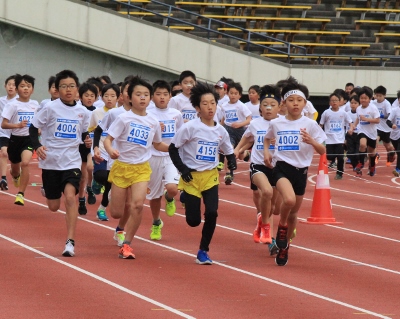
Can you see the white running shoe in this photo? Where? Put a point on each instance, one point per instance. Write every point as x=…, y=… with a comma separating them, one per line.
x=69, y=250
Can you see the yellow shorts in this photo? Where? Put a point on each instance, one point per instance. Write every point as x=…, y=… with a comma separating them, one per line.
x=200, y=183
x=124, y=175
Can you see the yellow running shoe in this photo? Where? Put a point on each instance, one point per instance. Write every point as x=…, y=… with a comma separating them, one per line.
x=156, y=231
x=16, y=180
x=19, y=200
x=119, y=237
x=170, y=207
x=220, y=166
x=293, y=235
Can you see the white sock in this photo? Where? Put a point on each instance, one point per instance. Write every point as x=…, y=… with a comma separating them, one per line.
x=101, y=207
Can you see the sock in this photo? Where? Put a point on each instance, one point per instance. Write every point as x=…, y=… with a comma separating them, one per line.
x=4, y=177
x=82, y=201
x=101, y=207
x=70, y=241
x=167, y=198
x=22, y=193
x=372, y=161
x=362, y=157
x=126, y=243
x=118, y=229
x=157, y=222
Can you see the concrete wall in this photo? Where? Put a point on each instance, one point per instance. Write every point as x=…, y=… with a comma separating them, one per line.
x=163, y=52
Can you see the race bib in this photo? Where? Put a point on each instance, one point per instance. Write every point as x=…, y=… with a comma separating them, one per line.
x=138, y=134
x=206, y=151
x=28, y=116
x=169, y=129
x=260, y=140
x=231, y=116
x=398, y=122
x=335, y=126
x=66, y=128
x=189, y=114
x=365, y=122
x=288, y=140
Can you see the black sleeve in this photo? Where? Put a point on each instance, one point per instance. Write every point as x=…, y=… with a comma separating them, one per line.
x=231, y=159
x=389, y=123
x=34, y=135
x=97, y=136
x=84, y=134
x=176, y=159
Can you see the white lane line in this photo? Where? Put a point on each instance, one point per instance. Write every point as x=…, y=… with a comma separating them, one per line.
x=240, y=270
x=103, y=280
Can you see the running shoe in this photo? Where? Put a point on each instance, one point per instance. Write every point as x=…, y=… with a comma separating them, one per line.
x=265, y=237
x=281, y=258
x=156, y=231
x=119, y=236
x=3, y=185
x=101, y=215
x=16, y=180
x=69, y=250
x=338, y=177
x=391, y=157
x=91, y=198
x=246, y=156
x=126, y=252
x=19, y=200
x=220, y=166
x=170, y=207
x=228, y=179
x=396, y=172
x=203, y=258
x=281, y=237
x=377, y=158
x=82, y=210
x=96, y=187
x=358, y=169
x=372, y=171
x=257, y=231
x=332, y=165
x=273, y=248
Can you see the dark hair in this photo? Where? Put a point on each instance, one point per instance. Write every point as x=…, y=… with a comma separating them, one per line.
x=291, y=84
x=255, y=88
x=186, y=74
x=129, y=77
x=334, y=94
x=349, y=84
x=398, y=94
x=355, y=91
x=355, y=98
x=11, y=77
x=64, y=75
x=111, y=86
x=124, y=84
x=173, y=83
x=281, y=83
x=51, y=81
x=342, y=93
x=270, y=91
x=237, y=86
x=87, y=87
x=199, y=90
x=105, y=78
x=367, y=91
x=135, y=81
x=97, y=82
x=380, y=90
x=161, y=84
x=227, y=81
x=27, y=78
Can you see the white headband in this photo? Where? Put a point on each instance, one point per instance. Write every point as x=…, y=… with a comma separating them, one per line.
x=294, y=92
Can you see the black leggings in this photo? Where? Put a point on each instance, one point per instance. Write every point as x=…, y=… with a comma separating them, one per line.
x=193, y=214
x=101, y=177
x=338, y=151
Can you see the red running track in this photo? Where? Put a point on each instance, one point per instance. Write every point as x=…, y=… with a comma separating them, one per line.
x=340, y=271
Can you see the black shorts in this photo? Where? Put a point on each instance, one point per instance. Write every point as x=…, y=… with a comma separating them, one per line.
x=384, y=136
x=370, y=141
x=235, y=134
x=84, y=151
x=54, y=181
x=256, y=169
x=17, y=145
x=4, y=141
x=296, y=176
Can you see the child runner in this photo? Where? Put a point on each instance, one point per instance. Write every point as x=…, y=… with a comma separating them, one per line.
x=194, y=152
x=5, y=134
x=352, y=143
x=52, y=91
x=333, y=121
x=367, y=119
x=64, y=125
x=261, y=175
x=297, y=137
x=17, y=116
x=394, y=122
x=134, y=133
x=254, y=101
x=164, y=174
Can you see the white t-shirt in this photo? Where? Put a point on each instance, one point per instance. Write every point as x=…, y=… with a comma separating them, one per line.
x=254, y=109
x=365, y=127
x=353, y=117
x=334, y=125
x=151, y=105
x=62, y=127
x=237, y=112
x=394, y=117
x=172, y=120
x=98, y=103
x=183, y=105
x=257, y=130
x=395, y=104
x=17, y=111
x=309, y=110
x=3, y=102
x=384, y=109
x=95, y=119
x=199, y=143
x=134, y=135
x=289, y=146
x=224, y=100
x=218, y=115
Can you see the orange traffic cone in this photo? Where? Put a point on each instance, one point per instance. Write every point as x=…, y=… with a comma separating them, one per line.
x=321, y=211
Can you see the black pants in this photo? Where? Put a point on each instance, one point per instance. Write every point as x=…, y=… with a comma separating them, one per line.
x=338, y=151
x=101, y=177
x=353, y=147
x=396, y=145
x=193, y=214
